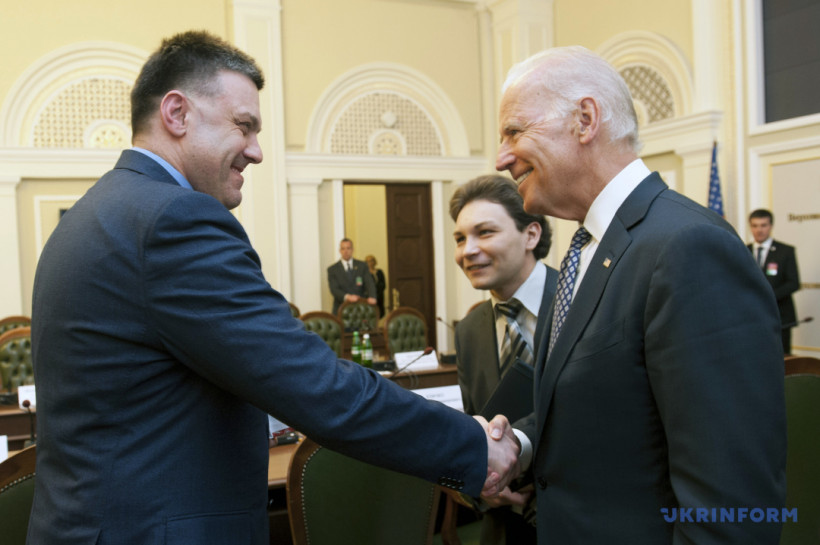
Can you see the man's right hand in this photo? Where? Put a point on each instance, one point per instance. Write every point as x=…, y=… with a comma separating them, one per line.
x=502, y=455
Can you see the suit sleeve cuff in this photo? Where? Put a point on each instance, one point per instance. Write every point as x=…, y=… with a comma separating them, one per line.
x=525, y=456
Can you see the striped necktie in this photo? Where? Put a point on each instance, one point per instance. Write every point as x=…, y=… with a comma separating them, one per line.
x=566, y=282
x=514, y=345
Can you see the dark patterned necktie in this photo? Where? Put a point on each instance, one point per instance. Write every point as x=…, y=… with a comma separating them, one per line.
x=514, y=345
x=760, y=261
x=566, y=282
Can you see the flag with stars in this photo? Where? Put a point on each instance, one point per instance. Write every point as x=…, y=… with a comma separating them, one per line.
x=715, y=199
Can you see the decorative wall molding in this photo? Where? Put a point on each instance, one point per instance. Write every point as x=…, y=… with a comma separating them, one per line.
x=657, y=54
x=393, y=80
x=45, y=80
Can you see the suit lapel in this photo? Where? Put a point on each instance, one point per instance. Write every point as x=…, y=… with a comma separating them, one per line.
x=490, y=343
x=615, y=242
x=544, y=321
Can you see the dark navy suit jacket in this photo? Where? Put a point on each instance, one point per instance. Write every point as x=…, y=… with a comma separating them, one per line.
x=664, y=388
x=159, y=348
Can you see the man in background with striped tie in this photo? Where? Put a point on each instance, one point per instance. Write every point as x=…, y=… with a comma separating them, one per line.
x=499, y=247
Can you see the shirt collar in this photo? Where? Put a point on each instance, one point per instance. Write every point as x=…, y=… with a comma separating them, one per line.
x=610, y=199
x=766, y=244
x=180, y=179
x=531, y=291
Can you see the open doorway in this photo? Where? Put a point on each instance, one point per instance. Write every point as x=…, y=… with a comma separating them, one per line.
x=393, y=222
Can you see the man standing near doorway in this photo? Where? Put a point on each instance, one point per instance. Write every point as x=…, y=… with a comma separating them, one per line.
x=499, y=247
x=349, y=279
x=779, y=264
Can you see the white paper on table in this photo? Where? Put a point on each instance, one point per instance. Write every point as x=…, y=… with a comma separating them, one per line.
x=449, y=395
x=24, y=393
x=275, y=426
x=4, y=447
x=423, y=363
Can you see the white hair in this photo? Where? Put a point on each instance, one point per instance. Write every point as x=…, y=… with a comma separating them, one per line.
x=572, y=73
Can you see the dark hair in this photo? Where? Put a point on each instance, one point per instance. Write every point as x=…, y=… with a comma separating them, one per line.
x=503, y=191
x=190, y=60
x=761, y=213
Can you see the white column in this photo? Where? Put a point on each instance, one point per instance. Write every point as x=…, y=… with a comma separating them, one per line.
x=709, y=64
x=264, y=212
x=697, y=162
x=521, y=28
x=307, y=270
x=11, y=299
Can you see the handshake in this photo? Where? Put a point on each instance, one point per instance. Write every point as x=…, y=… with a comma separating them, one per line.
x=503, y=449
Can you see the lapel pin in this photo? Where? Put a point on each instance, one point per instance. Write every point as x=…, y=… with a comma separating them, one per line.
x=607, y=262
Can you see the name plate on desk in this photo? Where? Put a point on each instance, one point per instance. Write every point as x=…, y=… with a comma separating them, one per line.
x=416, y=361
x=4, y=447
x=449, y=395
x=26, y=393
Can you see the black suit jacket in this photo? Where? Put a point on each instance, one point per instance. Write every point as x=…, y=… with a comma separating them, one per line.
x=359, y=282
x=660, y=391
x=477, y=348
x=159, y=348
x=478, y=376
x=781, y=272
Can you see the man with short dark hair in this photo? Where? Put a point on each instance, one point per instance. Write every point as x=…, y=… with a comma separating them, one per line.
x=499, y=247
x=779, y=263
x=349, y=279
x=159, y=347
x=659, y=386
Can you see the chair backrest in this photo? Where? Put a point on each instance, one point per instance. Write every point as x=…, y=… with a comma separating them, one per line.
x=294, y=310
x=405, y=330
x=327, y=326
x=15, y=359
x=16, y=495
x=13, y=322
x=336, y=500
x=359, y=316
x=802, y=388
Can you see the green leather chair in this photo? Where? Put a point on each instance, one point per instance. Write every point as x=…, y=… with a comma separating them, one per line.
x=405, y=330
x=13, y=322
x=336, y=500
x=16, y=496
x=327, y=326
x=15, y=359
x=803, y=455
x=294, y=310
x=359, y=316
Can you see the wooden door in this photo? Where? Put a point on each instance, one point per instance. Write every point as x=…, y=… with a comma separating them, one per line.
x=410, y=250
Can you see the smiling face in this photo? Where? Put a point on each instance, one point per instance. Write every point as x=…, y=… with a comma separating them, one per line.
x=541, y=152
x=221, y=138
x=491, y=251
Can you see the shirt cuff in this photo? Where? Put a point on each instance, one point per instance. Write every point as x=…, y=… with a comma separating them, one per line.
x=525, y=456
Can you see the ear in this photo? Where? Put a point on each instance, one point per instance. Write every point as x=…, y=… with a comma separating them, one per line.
x=174, y=110
x=589, y=120
x=533, y=232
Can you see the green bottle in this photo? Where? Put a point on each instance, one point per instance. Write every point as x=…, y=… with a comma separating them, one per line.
x=356, y=348
x=367, y=351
